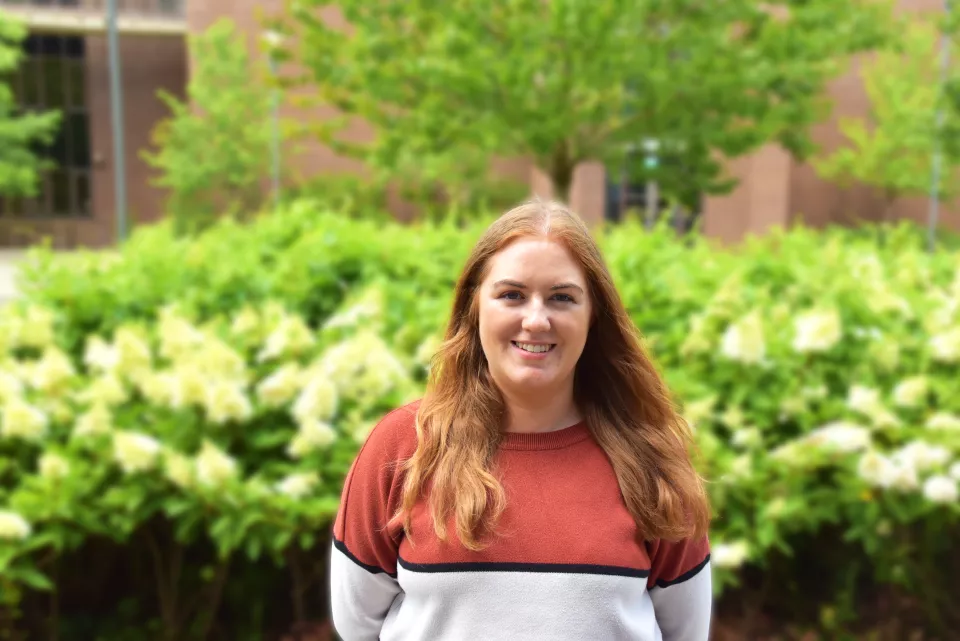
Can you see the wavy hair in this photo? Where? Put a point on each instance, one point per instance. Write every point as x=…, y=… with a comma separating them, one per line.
x=623, y=400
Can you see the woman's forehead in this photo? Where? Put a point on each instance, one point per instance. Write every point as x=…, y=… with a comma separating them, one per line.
x=535, y=258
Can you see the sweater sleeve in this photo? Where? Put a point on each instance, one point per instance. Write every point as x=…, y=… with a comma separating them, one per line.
x=681, y=588
x=363, y=562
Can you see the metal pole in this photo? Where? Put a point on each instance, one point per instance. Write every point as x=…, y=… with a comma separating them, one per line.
x=116, y=119
x=934, y=213
x=275, y=142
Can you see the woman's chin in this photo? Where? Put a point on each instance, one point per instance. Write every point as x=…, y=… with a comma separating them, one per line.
x=531, y=379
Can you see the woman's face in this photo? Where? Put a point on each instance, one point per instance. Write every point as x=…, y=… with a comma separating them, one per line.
x=534, y=312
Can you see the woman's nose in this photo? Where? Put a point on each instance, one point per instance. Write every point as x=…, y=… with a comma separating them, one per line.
x=535, y=319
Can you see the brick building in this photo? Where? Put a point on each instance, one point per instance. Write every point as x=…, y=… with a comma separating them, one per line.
x=67, y=68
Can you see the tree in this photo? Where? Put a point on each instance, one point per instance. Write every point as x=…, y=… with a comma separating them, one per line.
x=22, y=135
x=892, y=148
x=571, y=80
x=214, y=151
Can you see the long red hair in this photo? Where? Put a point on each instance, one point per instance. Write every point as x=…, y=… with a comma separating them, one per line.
x=619, y=393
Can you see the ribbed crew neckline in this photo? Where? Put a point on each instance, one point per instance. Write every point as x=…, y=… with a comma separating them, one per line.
x=545, y=440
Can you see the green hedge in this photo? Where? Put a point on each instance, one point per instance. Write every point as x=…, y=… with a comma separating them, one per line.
x=202, y=399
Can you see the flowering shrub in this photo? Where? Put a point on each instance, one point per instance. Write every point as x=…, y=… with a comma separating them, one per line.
x=223, y=385
x=236, y=430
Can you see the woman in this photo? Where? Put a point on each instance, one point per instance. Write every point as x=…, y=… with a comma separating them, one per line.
x=542, y=488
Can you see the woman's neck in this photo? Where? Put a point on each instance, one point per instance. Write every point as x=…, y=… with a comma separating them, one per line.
x=538, y=414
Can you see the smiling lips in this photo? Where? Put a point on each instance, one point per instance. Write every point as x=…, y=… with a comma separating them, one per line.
x=533, y=350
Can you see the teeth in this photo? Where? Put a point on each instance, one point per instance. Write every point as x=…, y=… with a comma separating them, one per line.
x=536, y=349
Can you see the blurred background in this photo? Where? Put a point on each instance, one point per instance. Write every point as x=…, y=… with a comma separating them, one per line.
x=230, y=232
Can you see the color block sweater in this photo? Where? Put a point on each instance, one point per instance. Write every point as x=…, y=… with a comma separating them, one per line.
x=566, y=565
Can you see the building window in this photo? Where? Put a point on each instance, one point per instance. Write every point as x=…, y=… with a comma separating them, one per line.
x=52, y=76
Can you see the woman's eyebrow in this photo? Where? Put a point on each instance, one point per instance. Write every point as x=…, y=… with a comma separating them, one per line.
x=517, y=284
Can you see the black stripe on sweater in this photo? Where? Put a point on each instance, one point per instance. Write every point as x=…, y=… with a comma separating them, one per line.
x=555, y=568
x=372, y=569
x=686, y=576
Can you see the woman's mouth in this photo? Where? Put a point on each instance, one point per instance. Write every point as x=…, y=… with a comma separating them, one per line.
x=533, y=348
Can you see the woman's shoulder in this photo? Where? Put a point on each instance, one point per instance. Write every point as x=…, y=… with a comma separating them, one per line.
x=394, y=437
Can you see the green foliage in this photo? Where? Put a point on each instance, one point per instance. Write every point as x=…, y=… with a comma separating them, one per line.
x=213, y=152
x=574, y=80
x=243, y=367
x=892, y=148
x=20, y=133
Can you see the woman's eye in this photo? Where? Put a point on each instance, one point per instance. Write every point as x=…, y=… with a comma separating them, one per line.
x=510, y=295
x=564, y=298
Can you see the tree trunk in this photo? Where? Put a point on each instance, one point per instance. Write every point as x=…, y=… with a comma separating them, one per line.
x=561, y=172
x=888, y=202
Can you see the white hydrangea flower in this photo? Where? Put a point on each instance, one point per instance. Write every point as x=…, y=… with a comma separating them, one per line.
x=312, y=435
x=792, y=406
x=179, y=469
x=367, y=307
x=729, y=555
x=37, y=327
x=955, y=471
x=178, y=337
x=281, y=386
x=746, y=437
x=291, y=337
x=943, y=314
x=885, y=418
x=790, y=452
x=911, y=392
x=227, y=402
x=741, y=467
x=317, y=401
x=941, y=489
x=161, y=388
x=53, y=466
x=840, y=436
x=107, y=390
x=696, y=411
x=885, y=354
x=815, y=392
x=866, y=268
x=245, y=322
x=95, y=421
x=877, y=469
x=298, y=485
x=56, y=408
x=427, y=349
x=100, y=356
x=923, y=456
x=943, y=421
x=188, y=387
x=697, y=340
x=133, y=353
x=22, y=420
x=905, y=477
x=863, y=399
x=882, y=301
x=866, y=401
x=135, y=452
x=13, y=527
x=945, y=347
x=218, y=360
x=743, y=340
x=10, y=385
x=362, y=367
x=817, y=331
x=214, y=466
x=51, y=371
